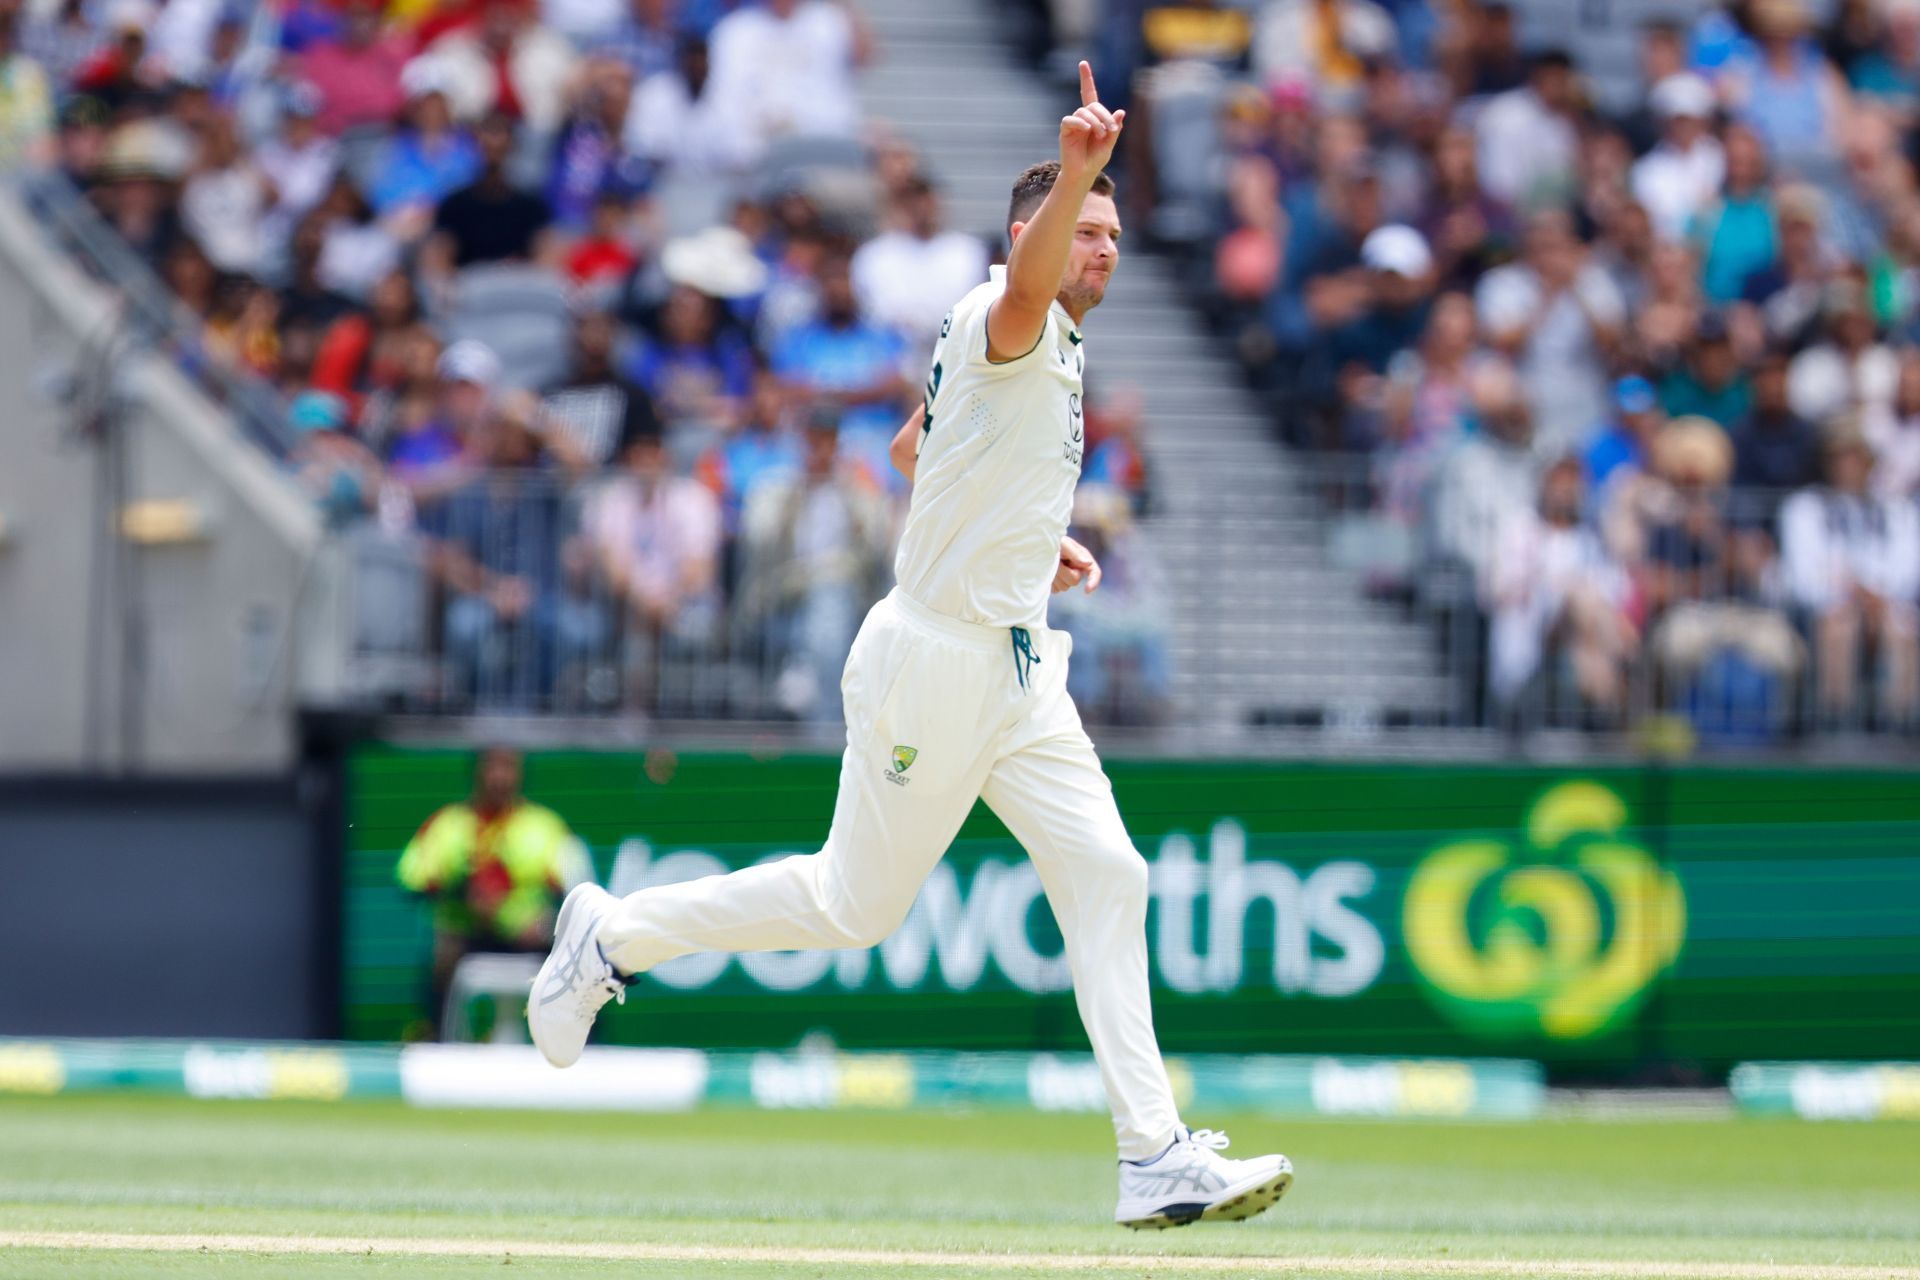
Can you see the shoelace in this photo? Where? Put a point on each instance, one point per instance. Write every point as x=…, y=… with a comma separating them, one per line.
x=1209, y=1138
x=595, y=994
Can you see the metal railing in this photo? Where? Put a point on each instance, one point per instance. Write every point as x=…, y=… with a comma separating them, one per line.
x=1665, y=616
x=1654, y=614
x=151, y=316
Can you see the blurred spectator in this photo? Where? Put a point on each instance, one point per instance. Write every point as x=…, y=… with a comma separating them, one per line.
x=1493, y=63
x=1668, y=308
x=1790, y=290
x=1894, y=274
x=423, y=452
x=1553, y=580
x=1529, y=137
x=587, y=156
x=1663, y=54
x=1774, y=448
x=488, y=220
x=243, y=329
x=367, y=351
x=605, y=254
x=429, y=158
x=81, y=141
x=1558, y=316
x=224, y=204
x=1115, y=457
x=356, y=70
x=815, y=547
x=1734, y=234
x=1469, y=230
x=118, y=72
x=695, y=370
x=764, y=447
x=1399, y=288
x=1627, y=439
x=845, y=362
x=337, y=471
x=495, y=55
x=1249, y=258
x=356, y=250
x=678, y=120
x=1877, y=179
x=655, y=539
x=495, y=866
x=595, y=407
x=1120, y=671
x=61, y=38
x=1703, y=580
x=1782, y=86
x=645, y=36
x=908, y=278
x=1490, y=478
x=517, y=620
x=26, y=99
x=1681, y=176
x=1885, y=68
x=306, y=302
x=1853, y=564
x=1323, y=44
x=1893, y=432
x=785, y=68
x=1710, y=383
x=1848, y=369
x=299, y=164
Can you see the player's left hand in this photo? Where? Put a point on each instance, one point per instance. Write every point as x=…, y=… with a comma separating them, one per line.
x=1076, y=564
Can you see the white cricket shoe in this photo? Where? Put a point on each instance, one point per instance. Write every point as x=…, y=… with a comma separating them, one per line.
x=575, y=980
x=1191, y=1181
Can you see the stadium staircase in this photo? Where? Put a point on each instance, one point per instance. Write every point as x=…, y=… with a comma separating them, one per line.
x=1264, y=628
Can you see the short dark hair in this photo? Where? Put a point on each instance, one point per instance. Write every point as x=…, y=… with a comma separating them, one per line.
x=1031, y=187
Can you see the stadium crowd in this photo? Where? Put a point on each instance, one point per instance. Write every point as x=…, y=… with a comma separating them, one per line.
x=1640, y=372
x=612, y=306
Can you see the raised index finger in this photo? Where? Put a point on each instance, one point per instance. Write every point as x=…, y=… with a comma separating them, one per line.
x=1088, y=95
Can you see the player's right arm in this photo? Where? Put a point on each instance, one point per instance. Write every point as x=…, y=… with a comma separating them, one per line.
x=1038, y=259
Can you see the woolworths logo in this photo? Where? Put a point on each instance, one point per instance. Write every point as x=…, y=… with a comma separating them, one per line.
x=995, y=918
x=1561, y=937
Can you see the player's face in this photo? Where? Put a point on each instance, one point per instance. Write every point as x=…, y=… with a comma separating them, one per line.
x=1095, y=254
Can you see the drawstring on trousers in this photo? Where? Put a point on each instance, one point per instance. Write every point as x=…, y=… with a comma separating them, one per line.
x=1024, y=658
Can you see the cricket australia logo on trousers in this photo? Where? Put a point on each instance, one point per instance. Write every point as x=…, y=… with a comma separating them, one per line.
x=903, y=758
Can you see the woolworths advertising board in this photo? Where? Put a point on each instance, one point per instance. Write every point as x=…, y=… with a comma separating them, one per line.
x=1600, y=917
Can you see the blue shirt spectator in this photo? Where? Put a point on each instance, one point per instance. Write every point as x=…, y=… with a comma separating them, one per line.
x=1624, y=440
x=427, y=162
x=850, y=363
x=694, y=369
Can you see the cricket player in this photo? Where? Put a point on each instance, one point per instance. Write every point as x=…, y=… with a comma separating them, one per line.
x=955, y=690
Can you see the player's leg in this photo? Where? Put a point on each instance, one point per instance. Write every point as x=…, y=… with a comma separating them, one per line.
x=1056, y=801
x=1049, y=789
x=852, y=893
x=903, y=688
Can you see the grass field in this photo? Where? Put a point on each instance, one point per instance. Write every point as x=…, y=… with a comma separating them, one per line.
x=286, y=1189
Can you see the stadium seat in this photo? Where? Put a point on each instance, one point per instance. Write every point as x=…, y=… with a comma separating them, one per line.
x=523, y=312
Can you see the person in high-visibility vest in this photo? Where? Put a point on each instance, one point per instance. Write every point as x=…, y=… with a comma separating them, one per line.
x=494, y=866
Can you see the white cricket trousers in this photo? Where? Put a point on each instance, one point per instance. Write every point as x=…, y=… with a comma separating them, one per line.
x=980, y=723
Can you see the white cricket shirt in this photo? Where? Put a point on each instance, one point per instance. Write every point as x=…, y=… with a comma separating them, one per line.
x=999, y=456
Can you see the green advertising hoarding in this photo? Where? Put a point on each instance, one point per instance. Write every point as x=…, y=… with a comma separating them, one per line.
x=1595, y=917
